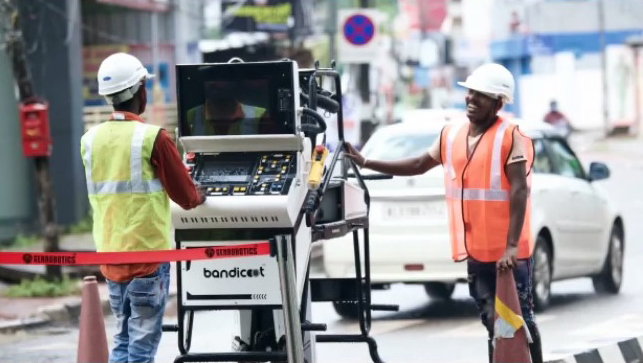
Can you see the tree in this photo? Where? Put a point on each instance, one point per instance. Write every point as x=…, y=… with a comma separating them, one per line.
x=15, y=47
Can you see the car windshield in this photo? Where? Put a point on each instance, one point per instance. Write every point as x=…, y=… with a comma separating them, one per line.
x=386, y=147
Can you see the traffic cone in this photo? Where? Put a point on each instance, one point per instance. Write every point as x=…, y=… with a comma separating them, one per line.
x=92, y=339
x=511, y=336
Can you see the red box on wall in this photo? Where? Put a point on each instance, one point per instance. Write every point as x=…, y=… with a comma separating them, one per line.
x=34, y=125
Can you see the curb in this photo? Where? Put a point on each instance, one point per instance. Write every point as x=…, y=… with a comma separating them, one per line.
x=55, y=314
x=624, y=351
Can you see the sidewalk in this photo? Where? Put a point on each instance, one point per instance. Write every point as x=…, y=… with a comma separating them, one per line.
x=24, y=313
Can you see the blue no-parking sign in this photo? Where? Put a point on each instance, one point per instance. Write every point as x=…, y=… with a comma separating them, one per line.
x=359, y=29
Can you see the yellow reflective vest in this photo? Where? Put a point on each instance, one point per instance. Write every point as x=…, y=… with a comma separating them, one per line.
x=131, y=209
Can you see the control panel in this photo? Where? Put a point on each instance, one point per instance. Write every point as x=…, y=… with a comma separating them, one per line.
x=244, y=173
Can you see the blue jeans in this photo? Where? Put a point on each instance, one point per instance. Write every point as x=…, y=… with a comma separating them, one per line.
x=138, y=306
x=482, y=288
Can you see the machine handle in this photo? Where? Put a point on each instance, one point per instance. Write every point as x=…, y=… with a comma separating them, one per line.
x=319, y=127
x=324, y=102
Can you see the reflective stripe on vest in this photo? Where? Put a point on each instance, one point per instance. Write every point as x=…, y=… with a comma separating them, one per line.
x=495, y=192
x=478, y=194
x=136, y=184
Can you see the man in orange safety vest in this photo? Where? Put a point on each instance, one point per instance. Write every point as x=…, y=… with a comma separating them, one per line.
x=487, y=163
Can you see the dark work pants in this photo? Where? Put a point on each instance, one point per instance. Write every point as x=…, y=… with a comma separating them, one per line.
x=482, y=288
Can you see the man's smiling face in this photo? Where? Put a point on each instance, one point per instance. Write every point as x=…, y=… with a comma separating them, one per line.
x=480, y=107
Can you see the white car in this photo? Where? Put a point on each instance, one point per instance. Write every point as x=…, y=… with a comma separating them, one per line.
x=577, y=229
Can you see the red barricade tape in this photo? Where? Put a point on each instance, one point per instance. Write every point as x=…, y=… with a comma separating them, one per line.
x=115, y=258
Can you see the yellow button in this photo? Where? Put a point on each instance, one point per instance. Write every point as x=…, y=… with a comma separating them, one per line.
x=217, y=189
x=225, y=190
x=261, y=168
x=236, y=189
x=256, y=177
x=243, y=189
x=209, y=189
x=284, y=168
x=287, y=157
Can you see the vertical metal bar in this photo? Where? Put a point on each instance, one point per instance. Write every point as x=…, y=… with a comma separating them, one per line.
x=287, y=277
x=340, y=113
x=358, y=280
x=367, y=278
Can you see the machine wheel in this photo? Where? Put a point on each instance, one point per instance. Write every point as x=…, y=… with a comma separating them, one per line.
x=609, y=280
x=439, y=290
x=346, y=310
x=542, y=274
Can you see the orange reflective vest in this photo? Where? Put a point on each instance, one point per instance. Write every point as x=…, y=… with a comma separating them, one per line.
x=477, y=192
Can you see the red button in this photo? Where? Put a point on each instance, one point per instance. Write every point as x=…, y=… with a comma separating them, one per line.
x=190, y=157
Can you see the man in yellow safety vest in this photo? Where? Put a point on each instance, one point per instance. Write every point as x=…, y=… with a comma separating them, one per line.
x=132, y=169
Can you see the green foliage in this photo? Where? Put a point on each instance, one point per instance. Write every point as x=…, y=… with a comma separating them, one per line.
x=40, y=287
x=24, y=241
x=83, y=226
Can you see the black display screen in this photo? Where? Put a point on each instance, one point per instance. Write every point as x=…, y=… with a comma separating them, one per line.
x=235, y=99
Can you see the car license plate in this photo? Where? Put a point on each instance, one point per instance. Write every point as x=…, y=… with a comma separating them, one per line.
x=415, y=210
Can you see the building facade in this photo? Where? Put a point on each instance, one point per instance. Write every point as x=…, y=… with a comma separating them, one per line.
x=554, y=49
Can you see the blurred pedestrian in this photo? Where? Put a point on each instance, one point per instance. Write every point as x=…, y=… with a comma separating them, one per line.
x=487, y=164
x=557, y=119
x=131, y=169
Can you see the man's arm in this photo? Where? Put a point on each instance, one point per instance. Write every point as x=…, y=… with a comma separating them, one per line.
x=518, y=194
x=405, y=167
x=517, y=201
x=173, y=175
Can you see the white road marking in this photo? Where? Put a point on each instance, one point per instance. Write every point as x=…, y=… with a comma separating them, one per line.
x=628, y=325
x=611, y=354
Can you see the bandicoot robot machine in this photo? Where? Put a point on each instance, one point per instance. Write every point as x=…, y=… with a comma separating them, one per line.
x=266, y=184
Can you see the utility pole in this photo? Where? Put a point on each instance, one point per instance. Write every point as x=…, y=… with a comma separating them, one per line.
x=365, y=90
x=601, y=30
x=16, y=51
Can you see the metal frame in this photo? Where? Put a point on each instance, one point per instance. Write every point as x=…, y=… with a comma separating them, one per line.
x=282, y=249
x=361, y=283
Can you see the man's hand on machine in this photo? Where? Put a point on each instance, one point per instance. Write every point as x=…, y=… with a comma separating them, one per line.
x=200, y=191
x=353, y=154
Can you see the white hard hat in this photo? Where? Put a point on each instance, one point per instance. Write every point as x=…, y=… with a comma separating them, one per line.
x=493, y=80
x=119, y=77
